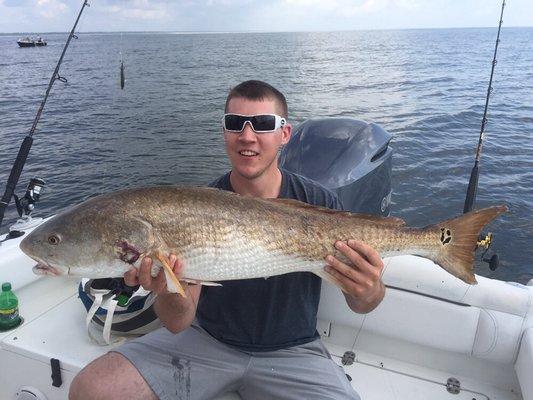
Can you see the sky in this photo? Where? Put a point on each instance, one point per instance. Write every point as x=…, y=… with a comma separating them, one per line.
x=258, y=15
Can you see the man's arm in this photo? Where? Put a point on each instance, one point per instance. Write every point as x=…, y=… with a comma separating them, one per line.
x=175, y=312
x=361, y=281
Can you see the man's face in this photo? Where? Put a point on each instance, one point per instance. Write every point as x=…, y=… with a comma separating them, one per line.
x=254, y=154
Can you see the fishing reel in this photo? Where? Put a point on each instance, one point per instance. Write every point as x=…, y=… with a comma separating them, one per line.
x=26, y=205
x=486, y=243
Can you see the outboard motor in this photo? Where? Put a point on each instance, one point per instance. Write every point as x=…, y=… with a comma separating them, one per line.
x=348, y=156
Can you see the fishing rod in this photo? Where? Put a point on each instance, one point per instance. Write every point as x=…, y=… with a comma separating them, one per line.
x=471, y=192
x=25, y=147
x=474, y=174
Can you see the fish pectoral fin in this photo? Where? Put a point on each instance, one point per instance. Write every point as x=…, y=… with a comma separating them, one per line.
x=324, y=275
x=172, y=281
x=205, y=283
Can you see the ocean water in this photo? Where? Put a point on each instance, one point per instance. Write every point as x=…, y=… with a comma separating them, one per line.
x=426, y=87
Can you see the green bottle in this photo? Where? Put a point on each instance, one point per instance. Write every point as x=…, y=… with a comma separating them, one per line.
x=9, y=308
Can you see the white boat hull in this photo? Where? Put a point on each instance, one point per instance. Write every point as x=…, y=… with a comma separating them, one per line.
x=429, y=328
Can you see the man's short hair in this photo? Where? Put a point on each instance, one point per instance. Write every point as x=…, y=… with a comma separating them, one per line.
x=258, y=90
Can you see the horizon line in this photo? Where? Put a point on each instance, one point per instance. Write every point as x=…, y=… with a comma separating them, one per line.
x=266, y=31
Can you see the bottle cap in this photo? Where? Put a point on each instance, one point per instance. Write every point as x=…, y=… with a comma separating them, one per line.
x=6, y=287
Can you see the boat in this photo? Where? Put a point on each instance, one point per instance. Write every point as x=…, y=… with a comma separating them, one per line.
x=433, y=336
x=26, y=42
x=40, y=42
x=30, y=42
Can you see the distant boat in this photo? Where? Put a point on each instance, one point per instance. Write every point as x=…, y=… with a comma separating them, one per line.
x=30, y=42
x=26, y=42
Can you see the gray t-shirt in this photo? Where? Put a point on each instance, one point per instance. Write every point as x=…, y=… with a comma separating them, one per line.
x=267, y=314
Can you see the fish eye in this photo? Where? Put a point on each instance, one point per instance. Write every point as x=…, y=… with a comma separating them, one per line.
x=54, y=239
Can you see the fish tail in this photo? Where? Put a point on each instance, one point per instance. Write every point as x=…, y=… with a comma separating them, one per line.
x=459, y=237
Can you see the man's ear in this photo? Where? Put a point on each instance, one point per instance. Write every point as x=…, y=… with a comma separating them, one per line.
x=286, y=132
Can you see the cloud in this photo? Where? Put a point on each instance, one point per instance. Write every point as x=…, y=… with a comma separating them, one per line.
x=352, y=7
x=141, y=13
x=16, y=3
x=50, y=9
x=306, y=3
x=230, y=3
x=111, y=9
x=314, y=5
x=367, y=7
x=139, y=9
x=255, y=15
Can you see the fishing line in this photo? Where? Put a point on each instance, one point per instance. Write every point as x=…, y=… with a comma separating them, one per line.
x=96, y=140
x=364, y=315
x=359, y=332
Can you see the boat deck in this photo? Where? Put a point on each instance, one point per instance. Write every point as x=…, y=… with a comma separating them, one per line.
x=408, y=348
x=54, y=327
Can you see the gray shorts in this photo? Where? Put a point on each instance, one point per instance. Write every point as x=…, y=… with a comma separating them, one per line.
x=192, y=365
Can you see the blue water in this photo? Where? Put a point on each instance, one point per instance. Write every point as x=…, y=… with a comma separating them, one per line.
x=426, y=87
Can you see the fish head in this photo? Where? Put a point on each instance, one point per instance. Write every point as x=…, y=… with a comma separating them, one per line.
x=89, y=240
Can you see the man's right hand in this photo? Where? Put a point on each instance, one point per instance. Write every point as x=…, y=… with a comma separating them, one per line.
x=174, y=311
x=143, y=276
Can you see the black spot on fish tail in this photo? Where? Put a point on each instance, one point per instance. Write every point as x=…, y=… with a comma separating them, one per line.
x=445, y=236
x=126, y=252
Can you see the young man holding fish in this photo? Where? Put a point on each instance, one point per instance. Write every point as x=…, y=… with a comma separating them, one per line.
x=257, y=336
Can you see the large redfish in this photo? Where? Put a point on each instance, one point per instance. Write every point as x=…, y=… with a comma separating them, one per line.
x=221, y=235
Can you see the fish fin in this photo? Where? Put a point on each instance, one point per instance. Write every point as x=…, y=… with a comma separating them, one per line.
x=204, y=283
x=324, y=275
x=169, y=274
x=459, y=237
x=388, y=221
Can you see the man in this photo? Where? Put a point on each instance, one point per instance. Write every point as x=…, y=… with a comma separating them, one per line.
x=257, y=337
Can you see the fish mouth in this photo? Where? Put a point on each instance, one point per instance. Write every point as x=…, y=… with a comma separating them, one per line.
x=46, y=269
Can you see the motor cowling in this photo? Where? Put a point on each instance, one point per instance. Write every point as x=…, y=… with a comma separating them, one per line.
x=351, y=157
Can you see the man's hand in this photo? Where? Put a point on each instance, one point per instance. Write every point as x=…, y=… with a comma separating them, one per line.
x=174, y=311
x=157, y=285
x=361, y=281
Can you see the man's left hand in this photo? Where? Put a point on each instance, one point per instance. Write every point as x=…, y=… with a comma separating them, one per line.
x=360, y=280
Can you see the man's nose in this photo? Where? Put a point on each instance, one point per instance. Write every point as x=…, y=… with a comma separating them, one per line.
x=247, y=133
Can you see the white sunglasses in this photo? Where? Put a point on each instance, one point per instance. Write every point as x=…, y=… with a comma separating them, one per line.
x=260, y=123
